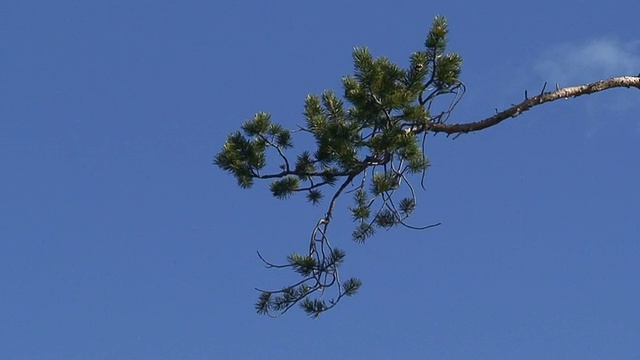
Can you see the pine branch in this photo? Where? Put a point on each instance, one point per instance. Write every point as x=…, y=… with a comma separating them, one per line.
x=367, y=150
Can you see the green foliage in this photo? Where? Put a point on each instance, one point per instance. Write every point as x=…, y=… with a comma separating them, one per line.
x=383, y=182
x=302, y=264
x=407, y=205
x=437, y=36
x=285, y=187
x=314, y=197
x=368, y=142
x=362, y=232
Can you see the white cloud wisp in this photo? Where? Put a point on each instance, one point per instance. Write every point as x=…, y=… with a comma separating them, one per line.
x=590, y=61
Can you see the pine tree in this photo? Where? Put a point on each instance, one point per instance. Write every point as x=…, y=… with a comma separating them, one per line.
x=371, y=150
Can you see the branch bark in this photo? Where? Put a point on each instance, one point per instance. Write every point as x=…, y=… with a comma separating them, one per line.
x=528, y=103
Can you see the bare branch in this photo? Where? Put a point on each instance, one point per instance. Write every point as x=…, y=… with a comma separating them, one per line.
x=515, y=110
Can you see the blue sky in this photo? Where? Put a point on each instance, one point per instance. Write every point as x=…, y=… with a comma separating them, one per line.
x=120, y=240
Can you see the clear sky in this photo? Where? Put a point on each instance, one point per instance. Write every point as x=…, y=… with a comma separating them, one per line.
x=120, y=240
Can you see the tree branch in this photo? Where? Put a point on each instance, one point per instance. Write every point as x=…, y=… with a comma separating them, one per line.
x=528, y=103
